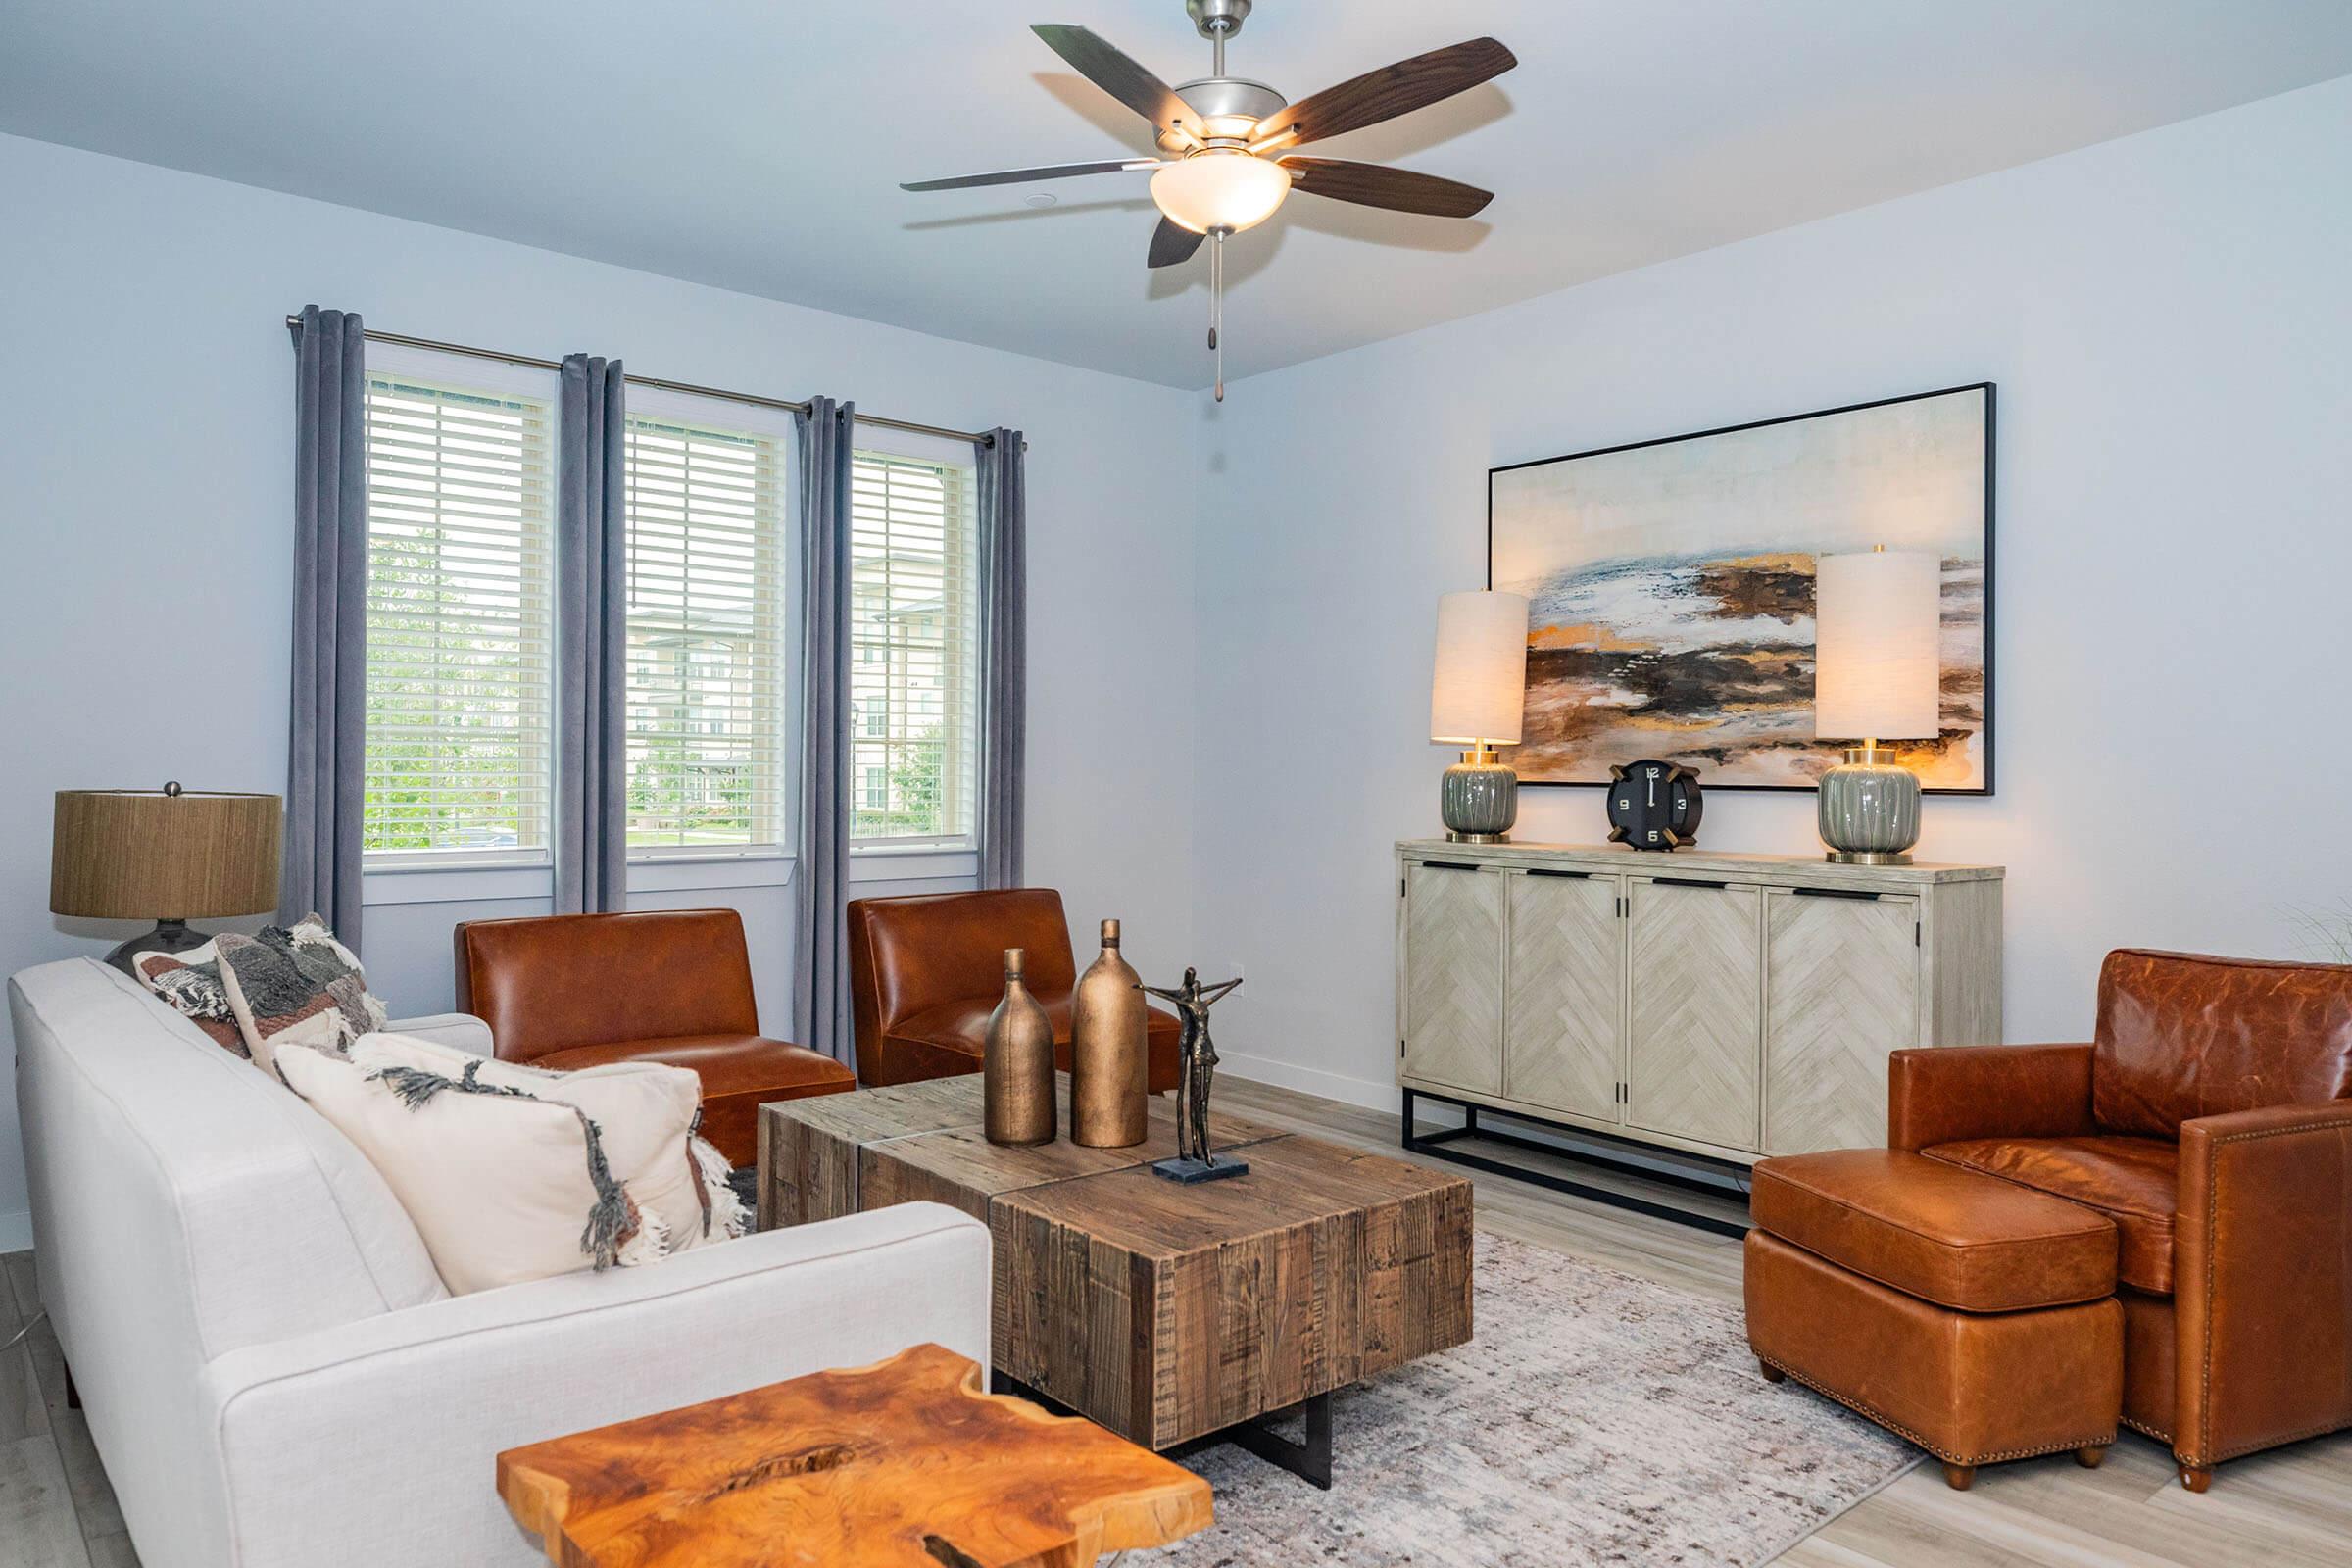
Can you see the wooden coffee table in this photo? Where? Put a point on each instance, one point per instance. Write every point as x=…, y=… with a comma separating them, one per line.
x=902, y=1464
x=1165, y=1312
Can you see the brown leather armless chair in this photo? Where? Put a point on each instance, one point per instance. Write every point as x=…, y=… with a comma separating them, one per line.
x=2211, y=1120
x=926, y=971
x=671, y=986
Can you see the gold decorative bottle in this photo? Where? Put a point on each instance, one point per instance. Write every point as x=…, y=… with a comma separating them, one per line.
x=1109, y=1079
x=1017, y=1065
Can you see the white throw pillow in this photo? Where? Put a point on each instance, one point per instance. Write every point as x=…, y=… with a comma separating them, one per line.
x=646, y=1113
x=502, y=1188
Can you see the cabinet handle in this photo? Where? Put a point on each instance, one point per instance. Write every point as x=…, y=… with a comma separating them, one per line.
x=1578, y=876
x=1446, y=865
x=1687, y=882
x=1833, y=893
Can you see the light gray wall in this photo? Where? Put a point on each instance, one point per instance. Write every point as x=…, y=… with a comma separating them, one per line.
x=146, y=457
x=2170, y=322
x=2166, y=316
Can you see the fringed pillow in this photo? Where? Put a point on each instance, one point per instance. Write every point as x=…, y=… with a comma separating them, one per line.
x=190, y=983
x=510, y=1174
x=503, y=1187
x=648, y=1114
x=296, y=985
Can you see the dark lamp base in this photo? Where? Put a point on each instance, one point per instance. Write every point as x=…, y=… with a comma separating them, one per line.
x=169, y=936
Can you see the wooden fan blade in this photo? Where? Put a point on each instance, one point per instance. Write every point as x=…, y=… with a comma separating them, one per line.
x=1121, y=77
x=1378, y=185
x=1172, y=243
x=1388, y=92
x=1016, y=177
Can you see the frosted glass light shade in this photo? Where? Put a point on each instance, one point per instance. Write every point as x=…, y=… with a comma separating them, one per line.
x=1480, y=688
x=1876, y=672
x=1228, y=191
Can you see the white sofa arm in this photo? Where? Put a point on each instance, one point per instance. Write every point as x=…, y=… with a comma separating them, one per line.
x=460, y=1029
x=373, y=1445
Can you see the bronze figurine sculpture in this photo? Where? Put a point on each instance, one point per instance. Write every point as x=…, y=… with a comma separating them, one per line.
x=1196, y=1071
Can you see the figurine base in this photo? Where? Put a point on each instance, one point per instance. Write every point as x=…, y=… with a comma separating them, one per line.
x=1189, y=1171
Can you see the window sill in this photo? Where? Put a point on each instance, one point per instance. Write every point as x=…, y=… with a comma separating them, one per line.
x=455, y=884
x=685, y=872
x=912, y=863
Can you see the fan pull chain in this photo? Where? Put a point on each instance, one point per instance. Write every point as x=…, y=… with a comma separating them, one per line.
x=1217, y=306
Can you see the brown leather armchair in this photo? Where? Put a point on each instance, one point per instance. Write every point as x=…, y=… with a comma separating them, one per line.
x=926, y=971
x=2211, y=1119
x=671, y=986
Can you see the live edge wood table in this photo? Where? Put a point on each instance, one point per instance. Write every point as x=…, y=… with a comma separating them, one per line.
x=902, y=1464
x=1168, y=1313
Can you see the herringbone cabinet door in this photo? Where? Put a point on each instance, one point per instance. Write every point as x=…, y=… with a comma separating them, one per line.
x=1841, y=990
x=1691, y=1062
x=1564, y=994
x=1453, y=977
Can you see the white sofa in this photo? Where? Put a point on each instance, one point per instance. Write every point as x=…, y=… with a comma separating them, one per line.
x=274, y=1375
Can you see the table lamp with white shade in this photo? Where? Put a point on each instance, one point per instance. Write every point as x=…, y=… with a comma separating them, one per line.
x=1475, y=700
x=1875, y=677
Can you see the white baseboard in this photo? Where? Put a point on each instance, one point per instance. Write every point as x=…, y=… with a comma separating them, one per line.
x=16, y=1232
x=1365, y=1092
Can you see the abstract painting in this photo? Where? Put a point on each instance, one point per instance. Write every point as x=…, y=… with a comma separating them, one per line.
x=1670, y=588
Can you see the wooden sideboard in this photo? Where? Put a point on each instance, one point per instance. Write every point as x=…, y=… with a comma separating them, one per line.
x=1730, y=1006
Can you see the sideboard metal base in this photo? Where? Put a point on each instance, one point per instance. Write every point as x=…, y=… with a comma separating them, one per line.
x=1719, y=1178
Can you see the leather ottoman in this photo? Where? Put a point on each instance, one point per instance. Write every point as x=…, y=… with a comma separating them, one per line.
x=1973, y=1316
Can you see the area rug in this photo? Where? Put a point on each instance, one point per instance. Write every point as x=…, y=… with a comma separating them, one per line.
x=1593, y=1418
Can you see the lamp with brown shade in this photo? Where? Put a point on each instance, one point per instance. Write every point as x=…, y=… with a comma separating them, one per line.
x=171, y=855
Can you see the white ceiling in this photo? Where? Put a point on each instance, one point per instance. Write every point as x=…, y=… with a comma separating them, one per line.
x=756, y=144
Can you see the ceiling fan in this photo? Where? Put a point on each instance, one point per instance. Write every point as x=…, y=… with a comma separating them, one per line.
x=1228, y=142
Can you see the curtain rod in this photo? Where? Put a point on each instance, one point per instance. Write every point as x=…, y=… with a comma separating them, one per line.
x=976, y=437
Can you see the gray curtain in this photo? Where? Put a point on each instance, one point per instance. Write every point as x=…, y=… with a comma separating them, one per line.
x=1003, y=655
x=592, y=873
x=820, y=938
x=328, y=733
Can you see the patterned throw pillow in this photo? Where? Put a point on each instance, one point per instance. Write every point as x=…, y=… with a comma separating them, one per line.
x=190, y=983
x=296, y=985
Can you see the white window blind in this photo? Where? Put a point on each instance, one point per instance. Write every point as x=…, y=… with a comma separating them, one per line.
x=707, y=585
x=460, y=636
x=914, y=625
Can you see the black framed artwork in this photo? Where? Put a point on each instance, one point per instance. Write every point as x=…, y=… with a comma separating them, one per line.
x=1670, y=588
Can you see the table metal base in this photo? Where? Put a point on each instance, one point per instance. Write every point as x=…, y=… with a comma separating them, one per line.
x=1309, y=1460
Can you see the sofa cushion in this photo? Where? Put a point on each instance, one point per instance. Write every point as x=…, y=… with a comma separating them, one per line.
x=2181, y=1036
x=189, y=983
x=1932, y=1231
x=962, y=1026
x=738, y=1072
x=645, y=1112
x=2133, y=1181
x=505, y=1186
x=296, y=985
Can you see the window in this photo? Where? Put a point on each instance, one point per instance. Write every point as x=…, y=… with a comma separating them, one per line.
x=914, y=615
x=707, y=585
x=459, y=631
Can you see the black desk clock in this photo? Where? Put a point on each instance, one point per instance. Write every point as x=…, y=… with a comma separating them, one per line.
x=1654, y=804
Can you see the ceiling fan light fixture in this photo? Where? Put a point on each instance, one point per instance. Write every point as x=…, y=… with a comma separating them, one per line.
x=1220, y=189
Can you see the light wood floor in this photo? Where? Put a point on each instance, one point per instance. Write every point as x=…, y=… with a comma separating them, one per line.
x=2288, y=1509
